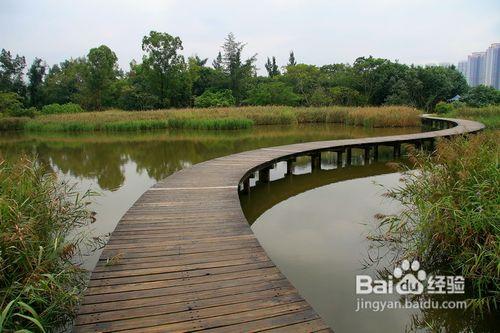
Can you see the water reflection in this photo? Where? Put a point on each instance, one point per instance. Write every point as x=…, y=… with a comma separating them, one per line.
x=314, y=225
x=123, y=166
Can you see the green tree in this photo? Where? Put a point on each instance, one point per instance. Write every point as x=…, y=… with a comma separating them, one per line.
x=272, y=67
x=101, y=72
x=291, y=59
x=165, y=69
x=217, y=63
x=481, y=96
x=272, y=93
x=64, y=83
x=11, y=73
x=238, y=71
x=36, y=74
x=305, y=80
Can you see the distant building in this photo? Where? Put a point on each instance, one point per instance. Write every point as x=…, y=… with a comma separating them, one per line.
x=482, y=67
x=492, y=70
x=462, y=67
x=476, y=68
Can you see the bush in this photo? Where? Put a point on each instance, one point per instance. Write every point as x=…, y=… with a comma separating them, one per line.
x=133, y=99
x=443, y=108
x=210, y=99
x=56, y=108
x=11, y=105
x=12, y=124
x=40, y=285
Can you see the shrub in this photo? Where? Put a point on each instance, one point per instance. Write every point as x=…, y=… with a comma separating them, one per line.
x=11, y=105
x=40, y=285
x=133, y=99
x=56, y=108
x=443, y=108
x=210, y=99
x=12, y=124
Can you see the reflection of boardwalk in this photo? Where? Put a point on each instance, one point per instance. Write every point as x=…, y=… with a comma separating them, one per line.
x=183, y=257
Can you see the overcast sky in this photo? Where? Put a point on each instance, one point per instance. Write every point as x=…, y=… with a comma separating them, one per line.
x=319, y=31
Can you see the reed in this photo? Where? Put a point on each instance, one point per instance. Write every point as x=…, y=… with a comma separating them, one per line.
x=40, y=285
x=225, y=118
x=450, y=215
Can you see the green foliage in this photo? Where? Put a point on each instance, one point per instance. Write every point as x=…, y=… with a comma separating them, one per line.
x=450, y=216
x=481, y=96
x=488, y=115
x=56, y=108
x=36, y=74
x=101, y=71
x=40, y=285
x=443, y=108
x=346, y=96
x=12, y=73
x=272, y=93
x=272, y=68
x=11, y=105
x=208, y=99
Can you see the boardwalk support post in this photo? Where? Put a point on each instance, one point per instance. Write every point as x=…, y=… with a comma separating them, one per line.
x=315, y=161
x=264, y=174
x=367, y=154
x=375, y=153
x=349, y=156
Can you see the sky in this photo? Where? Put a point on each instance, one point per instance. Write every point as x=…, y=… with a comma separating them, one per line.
x=318, y=31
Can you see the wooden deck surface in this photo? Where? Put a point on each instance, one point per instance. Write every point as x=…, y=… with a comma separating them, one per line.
x=183, y=258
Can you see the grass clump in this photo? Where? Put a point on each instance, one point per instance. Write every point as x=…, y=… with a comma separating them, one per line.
x=488, y=115
x=12, y=123
x=56, y=108
x=40, y=286
x=210, y=124
x=450, y=218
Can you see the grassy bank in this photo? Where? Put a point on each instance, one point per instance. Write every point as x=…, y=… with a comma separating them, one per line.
x=451, y=214
x=39, y=284
x=217, y=118
x=488, y=115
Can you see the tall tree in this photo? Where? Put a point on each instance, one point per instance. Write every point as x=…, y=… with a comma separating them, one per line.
x=166, y=68
x=11, y=73
x=291, y=59
x=271, y=67
x=36, y=74
x=217, y=63
x=101, y=72
x=237, y=70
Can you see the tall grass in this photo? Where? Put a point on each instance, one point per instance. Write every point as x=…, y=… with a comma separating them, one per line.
x=451, y=214
x=39, y=284
x=225, y=118
x=488, y=115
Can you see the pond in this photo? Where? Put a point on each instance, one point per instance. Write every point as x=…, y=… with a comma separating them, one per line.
x=313, y=226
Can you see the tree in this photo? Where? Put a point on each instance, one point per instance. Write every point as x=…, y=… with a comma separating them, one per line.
x=271, y=67
x=11, y=73
x=165, y=69
x=101, y=72
x=64, y=83
x=481, y=96
x=291, y=59
x=36, y=74
x=272, y=93
x=305, y=80
x=238, y=71
x=217, y=63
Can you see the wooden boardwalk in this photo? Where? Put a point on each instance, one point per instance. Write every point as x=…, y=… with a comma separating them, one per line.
x=183, y=258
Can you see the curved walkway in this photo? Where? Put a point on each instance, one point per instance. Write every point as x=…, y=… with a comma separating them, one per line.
x=183, y=257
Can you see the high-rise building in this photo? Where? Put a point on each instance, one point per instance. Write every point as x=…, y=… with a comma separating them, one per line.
x=492, y=71
x=462, y=67
x=482, y=67
x=476, y=67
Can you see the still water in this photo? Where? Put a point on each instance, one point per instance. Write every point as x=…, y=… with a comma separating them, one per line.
x=314, y=225
x=120, y=167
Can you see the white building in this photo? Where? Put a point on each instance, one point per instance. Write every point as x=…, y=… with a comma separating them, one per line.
x=482, y=67
x=492, y=70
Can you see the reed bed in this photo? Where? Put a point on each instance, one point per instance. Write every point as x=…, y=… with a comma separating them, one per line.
x=451, y=211
x=40, y=285
x=225, y=118
x=488, y=115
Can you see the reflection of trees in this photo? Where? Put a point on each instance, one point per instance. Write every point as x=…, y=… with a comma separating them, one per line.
x=102, y=156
